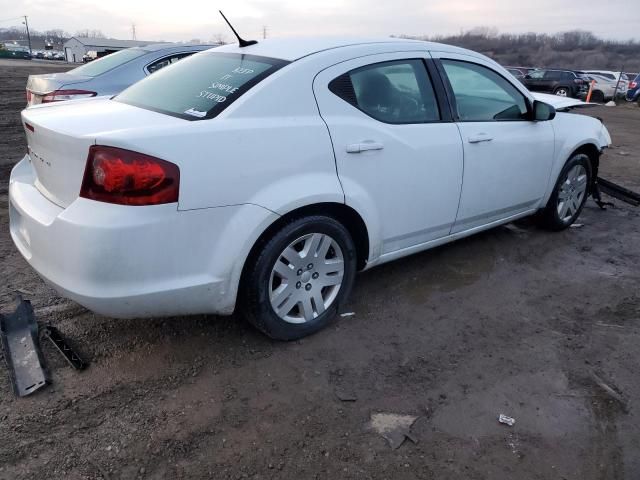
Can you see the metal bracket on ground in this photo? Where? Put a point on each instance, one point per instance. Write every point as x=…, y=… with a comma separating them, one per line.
x=19, y=332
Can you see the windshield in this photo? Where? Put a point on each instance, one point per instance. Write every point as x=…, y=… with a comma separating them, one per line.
x=101, y=65
x=200, y=86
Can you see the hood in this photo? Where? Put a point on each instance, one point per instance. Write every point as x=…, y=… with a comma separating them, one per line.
x=49, y=82
x=561, y=104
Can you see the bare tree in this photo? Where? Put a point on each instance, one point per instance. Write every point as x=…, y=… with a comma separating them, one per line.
x=219, y=38
x=90, y=33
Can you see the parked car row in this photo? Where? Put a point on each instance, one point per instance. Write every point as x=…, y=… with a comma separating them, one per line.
x=575, y=83
x=48, y=54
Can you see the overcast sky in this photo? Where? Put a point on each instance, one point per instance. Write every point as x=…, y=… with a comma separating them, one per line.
x=188, y=19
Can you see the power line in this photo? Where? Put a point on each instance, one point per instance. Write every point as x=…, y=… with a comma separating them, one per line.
x=13, y=18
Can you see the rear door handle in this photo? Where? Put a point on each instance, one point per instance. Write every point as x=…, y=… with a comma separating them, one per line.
x=480, y=137
x=364, y=146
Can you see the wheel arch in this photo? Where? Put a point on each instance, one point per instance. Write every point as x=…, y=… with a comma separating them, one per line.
x=344, y=214
x=593, y=152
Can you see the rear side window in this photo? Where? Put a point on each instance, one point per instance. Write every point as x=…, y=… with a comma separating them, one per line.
x=104, y=64
x=166, y=61
x=200, y=86
x=483, y=95
x=552, y=75
x=397, y=92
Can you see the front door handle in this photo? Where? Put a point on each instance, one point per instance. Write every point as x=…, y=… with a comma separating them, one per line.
x=480, y=137
x=364, y=146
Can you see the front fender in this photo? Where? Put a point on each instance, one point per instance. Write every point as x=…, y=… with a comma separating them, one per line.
x=573, y=131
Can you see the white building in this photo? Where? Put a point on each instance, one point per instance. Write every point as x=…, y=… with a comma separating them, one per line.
x=76, y=47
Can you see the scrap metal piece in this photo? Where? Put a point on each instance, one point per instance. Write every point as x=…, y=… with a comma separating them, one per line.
x=502, y=418
x=54, y=335
x=393, y=428
x=19, y=332
x=619, y=192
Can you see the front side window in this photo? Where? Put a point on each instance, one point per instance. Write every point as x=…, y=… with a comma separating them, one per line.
x=166, y=61
x=200, y=86
x=483, y=95
x=108, y=62
x=537, y=74
x=392, y=92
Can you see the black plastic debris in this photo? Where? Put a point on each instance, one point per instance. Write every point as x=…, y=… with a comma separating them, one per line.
x=54, y=336
x=19, y=332
x=618, y=191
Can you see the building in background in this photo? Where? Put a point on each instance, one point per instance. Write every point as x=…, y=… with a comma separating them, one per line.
x=77, y=47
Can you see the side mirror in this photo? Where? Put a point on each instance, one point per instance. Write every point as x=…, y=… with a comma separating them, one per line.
x=543, y=111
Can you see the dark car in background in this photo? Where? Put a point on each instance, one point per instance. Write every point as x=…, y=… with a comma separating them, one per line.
x=519, y=72
x=633, y=94
x=564, y=83
x=516, y=72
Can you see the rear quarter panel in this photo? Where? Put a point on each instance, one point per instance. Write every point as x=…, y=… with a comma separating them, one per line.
x=269, y=148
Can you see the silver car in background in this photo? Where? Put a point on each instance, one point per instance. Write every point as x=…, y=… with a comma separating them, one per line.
x=108, y=75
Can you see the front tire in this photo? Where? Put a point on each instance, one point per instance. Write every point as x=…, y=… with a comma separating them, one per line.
x=301, y=275
x=569, y=194
x=562, y=92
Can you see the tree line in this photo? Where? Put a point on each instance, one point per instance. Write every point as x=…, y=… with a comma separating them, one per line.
x=576, y=49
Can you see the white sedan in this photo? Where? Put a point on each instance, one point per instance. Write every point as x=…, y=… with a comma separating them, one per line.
x=266, y=176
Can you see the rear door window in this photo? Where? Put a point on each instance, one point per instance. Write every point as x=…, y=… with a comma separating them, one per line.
x=396, y=92
x=200, y=86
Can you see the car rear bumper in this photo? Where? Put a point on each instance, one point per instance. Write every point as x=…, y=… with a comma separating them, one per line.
x=124, y=261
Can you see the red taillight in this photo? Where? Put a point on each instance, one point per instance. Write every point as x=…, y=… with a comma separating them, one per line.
x=62, y=95
x=28, y=126
x=115, y=175
x=633, y=85
x=28, y=96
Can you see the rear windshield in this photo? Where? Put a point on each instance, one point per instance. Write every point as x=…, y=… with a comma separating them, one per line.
x=101, y=65
x=201, y=86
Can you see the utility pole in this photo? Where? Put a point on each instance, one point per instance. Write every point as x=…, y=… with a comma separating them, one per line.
x=264, y=31
x=26, y=24
x=615, y=92
x=133, y=31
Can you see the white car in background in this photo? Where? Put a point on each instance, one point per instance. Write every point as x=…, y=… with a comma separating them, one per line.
x=618, y=78
x=266, y=176
x=603, y=89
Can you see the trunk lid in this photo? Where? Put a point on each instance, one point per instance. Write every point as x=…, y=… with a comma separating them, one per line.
x=59, y=136
x=39, y=85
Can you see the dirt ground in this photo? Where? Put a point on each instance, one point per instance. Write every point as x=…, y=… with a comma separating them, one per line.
x=515, y=321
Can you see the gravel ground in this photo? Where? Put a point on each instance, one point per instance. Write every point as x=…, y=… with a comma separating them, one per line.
x=515, y=320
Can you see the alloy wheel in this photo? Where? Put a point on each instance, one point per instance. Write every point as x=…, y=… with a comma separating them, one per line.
x=562, y=92
x=572, y=192
x=306, y=278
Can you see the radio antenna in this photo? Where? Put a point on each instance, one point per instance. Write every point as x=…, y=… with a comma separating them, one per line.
x=242, y=42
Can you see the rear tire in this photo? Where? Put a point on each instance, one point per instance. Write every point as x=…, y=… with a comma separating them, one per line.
x=569, y=194
x=597, y=96
x=562, y=92
x=295, y=284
